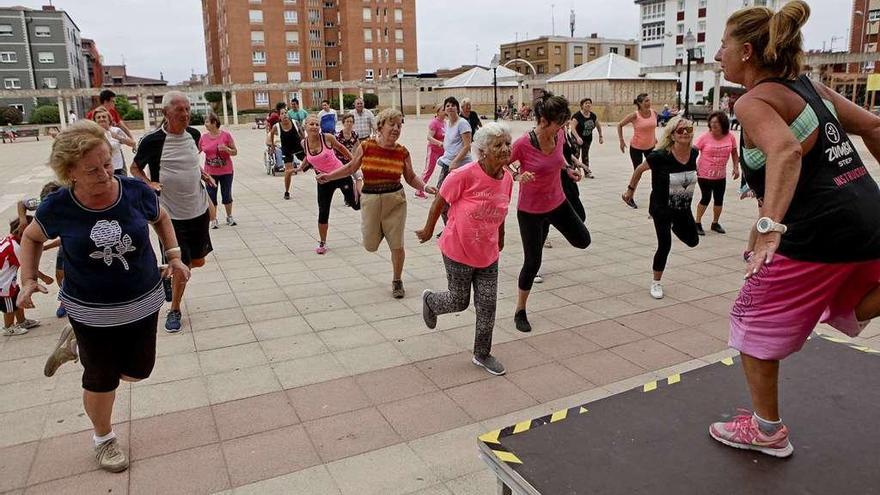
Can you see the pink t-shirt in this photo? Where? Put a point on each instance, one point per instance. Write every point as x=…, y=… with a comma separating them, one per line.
x=644, y=132
x=714, y=153
x=477, y=207
x=438, y=130
x=216, y=162
x=544, y=193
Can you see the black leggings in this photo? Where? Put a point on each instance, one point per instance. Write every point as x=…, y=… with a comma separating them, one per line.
x=325, y=196
x=678, y=222
x=712, y=187
x=585, y=150
x=573, y=195
x=534, y=227
x=637, y=156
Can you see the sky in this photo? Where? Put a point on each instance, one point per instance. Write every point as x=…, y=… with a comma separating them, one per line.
x=166, y=36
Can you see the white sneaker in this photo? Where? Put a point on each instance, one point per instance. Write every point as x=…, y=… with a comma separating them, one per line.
x=539, y=279
x=14, y=330
x=656, y=290
x=215, y=224
x=230, y=220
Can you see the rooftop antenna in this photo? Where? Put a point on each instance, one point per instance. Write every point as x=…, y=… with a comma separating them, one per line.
x=553, y=18
x=571, y=22
x=476, y=54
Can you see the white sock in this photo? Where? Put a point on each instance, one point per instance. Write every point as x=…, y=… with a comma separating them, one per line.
x=99, y=440
x=766, y=426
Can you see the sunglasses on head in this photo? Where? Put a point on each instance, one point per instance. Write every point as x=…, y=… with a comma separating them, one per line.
x=685, y=130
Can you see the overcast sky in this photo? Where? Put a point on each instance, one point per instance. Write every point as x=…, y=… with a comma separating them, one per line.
x=153, y=36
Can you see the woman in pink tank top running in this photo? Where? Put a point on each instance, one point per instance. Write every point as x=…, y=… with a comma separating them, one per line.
x=320, y=155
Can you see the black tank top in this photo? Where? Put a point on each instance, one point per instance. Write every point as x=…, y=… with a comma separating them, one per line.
x=291, y=141
x=834, y=216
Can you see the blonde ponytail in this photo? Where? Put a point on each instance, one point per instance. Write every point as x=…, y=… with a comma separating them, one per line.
x=775, y=37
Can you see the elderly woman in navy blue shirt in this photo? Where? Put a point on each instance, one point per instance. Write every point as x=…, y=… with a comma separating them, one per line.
x=112, y=289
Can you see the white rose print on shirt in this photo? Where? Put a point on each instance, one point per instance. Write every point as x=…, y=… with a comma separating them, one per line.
x=107, y=236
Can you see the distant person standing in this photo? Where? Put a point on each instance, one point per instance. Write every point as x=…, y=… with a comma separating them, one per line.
x=327, y=116
x=295, y=113
x=364, y=121
x=644, y=122
x=107, y=100
x=219, y=148
x=436, y=133
x=71, y=117
x=115, y=137
x=467, y=114
x=275, y=115
x=585, y=122
x=717, y=147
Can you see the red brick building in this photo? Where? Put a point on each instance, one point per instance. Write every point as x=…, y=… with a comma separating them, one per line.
x=276, y=41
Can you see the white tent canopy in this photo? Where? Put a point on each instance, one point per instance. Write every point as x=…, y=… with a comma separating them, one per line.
x=479, y=77
x=608, y=67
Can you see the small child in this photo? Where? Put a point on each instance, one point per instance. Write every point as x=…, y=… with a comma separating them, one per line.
x=9, y=250
x=30, y=204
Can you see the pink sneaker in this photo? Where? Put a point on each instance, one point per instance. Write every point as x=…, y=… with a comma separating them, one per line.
x=421, y=194
x=321, y=249
x=743, y=433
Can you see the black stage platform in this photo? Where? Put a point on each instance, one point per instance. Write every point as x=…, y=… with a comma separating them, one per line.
x=654, y=439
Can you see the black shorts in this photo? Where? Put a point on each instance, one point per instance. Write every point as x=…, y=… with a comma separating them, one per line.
x=59, y=260
x=109, y=353
x=288, y=156
x=7, y=304
x=193, y=237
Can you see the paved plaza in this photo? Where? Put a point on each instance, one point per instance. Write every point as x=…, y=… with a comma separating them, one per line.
x=297, y=373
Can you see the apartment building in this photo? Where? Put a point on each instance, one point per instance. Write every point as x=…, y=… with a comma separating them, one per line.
x=864, y=32
x=556, y=54
x=275, y=41
x=93, y=61
x=665, y=24
x=40, y=49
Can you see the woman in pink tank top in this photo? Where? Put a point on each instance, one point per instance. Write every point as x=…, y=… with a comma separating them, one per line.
x=644, y=122
x=321, y=150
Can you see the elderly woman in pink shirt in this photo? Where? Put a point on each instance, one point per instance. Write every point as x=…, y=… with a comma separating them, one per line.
x=716, y=147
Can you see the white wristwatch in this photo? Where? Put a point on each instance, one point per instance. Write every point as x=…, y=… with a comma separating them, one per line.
x=766, y=225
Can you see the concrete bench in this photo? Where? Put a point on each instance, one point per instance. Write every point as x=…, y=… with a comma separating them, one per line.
x=21, y=133
x=260, y=122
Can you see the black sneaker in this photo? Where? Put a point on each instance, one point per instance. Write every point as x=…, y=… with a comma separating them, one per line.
x=522, y=321
x=286, y=195
x=166, y=286
x=428, y=314
x=716, y=227
x=491, y=364
x=700, y=230
x=397, y=291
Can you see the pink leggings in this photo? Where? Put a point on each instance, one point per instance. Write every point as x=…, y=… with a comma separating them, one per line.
x=433, y=154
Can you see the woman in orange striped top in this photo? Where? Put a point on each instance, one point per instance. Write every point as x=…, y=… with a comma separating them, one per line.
x=383, y=202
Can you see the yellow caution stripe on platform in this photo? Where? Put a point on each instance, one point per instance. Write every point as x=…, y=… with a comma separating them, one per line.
x=673, y=379
x=558, y=415
x=491, y=437
x=728, y=361
x=508, y=457
x=522, y=426
x=649, y=386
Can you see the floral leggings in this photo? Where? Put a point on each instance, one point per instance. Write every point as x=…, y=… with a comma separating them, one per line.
x=485, y=282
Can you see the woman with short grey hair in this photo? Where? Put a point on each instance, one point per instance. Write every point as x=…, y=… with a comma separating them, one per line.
x=477, y=195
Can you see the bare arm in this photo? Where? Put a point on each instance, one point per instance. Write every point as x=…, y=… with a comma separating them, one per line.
x=734, y=155
x=21, y=208
x=572, y=126
x=137, y=171
x=599, y=131
x=434, y=212
x=431, y=139
x=337, y=146
x=31, y=250
x=231, y=148
x=465, y=149
x=125, y=129
x=628, y=120
x=348, y=169
x=124, y=139
x=270, y=137
x=414, y=180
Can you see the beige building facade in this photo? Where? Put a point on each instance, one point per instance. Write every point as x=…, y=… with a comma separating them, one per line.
x=551, y=55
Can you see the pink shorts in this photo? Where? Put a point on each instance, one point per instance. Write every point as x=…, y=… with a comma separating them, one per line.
x=778, y=307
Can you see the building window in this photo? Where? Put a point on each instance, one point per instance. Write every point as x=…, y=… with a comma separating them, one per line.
x=290, y=17
x=260, y=77
x=368, y=35
x=680, y=28
x=653, y=31
x=368, y=54
x=5, y=29
x=398, y=35
x=557, y=50
x=46, y=57
x=398, y=15
x=12, y=83
x=507, y=55
x=627, y=52
x=261, y=98
x=592, y=51
x=398, y=54
x=42, y=32
x=701, y=26
x=292, y=37
x=653, y=11
x=528, y=52
x=557, y=68
x=258, y=37
x=368, y=74
x=317, y=75
x=368, y=14
x=330, y=44
x=680, y=5
x=294, y=76
x=314, y=15
x=703, y=4
x=612, y=49
x=255, y=16
x=8, y=57
x=50, y=82
x=315, y=54
x=293, y=56
x=578, y=50
x=331, y=63
x=258, y=57
x=314, y=35
x=540, y=68
x=540, y=51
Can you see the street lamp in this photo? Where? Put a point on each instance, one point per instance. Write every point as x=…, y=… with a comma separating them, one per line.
x=494, y=65
x=400, y=88
x=690, y=43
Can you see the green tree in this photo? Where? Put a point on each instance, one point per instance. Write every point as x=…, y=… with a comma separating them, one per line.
x=348, y=100
x=122, y=105
x=371, y=100
x=133, y=114
x=46, y=114
x=215, y=98
x=196, y=118
x=10, y=115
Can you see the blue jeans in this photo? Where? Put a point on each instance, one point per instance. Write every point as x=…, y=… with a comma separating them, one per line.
x=224, y=183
